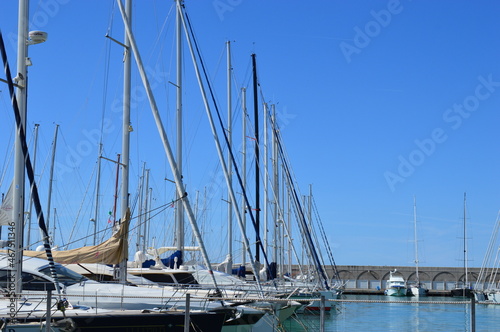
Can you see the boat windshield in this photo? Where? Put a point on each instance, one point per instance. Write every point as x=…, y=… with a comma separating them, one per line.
x=64, y=275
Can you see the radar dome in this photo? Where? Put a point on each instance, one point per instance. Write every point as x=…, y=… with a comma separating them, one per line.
x=37, y=37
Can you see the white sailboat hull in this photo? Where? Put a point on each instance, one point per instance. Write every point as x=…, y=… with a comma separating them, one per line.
x=418, y=291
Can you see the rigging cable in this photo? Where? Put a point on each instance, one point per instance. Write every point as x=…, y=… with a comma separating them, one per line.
x=302, y=223
x=325, y=239
x=29, y=169
x=261, y=245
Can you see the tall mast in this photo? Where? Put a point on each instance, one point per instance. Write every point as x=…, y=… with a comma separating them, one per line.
x=244, y=165
x=257, y=180
x=289, y=218
x=28, y=219
x=276, y=215
x=309, y=217
x=149, y=203
x=219, y=149
x=54, y=227
x=116, y=187
x=415, y=238
x=179, y=211
x=19, y=162
x=51, y=179
x=126, y=126
x=196, y=217
x=126, y=129
x=97, y=192
x=146, y=210
x=229, y=259
x=266, y=180
x=166, y=144
x=465, y=245
x=15, y=275
x=140, y=217
x=304, y=254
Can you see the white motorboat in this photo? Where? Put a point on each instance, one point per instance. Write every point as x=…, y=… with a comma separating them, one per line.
x=396, y=285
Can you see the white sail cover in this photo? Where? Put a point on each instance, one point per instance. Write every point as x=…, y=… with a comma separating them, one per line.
x=6, y=208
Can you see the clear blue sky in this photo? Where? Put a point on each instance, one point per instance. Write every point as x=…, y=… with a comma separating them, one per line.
x=378, y=102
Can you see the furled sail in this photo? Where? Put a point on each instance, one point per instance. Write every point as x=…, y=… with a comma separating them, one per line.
x=112, y=251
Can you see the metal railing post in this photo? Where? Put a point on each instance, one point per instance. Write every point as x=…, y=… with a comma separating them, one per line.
x=322, y=314
x=473, y=314
x=186, y=315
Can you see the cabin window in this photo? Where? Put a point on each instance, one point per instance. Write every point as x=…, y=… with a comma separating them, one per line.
x=64, y=275
x=30, y=282
x=159, y=278
x=185, y=278
x=33, y=282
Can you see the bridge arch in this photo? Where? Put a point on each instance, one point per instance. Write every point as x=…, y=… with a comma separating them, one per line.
x=368, y=279
x=471, y=277
x=438, y=279
x=421, y=276
x=346, y=275
x=490, y=279
x=443, y=281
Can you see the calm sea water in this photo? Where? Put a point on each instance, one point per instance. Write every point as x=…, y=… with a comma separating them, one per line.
x=421, y=317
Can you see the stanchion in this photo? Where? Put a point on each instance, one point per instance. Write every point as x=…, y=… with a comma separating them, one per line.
x=472, y=313
x=186, y=314
x=47, y=320
x=322, y=314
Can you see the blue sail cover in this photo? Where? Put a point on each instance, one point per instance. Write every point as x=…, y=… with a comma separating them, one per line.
x=240, y=272
x=148, y=263
x=271, y=271
x=168, y=262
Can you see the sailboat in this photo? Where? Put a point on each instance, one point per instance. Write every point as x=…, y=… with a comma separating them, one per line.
x=180, y=185
x=463, y=289
x=31, y=278
x=487, y=287
x=417, y=288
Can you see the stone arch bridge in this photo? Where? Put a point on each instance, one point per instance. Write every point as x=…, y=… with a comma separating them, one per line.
x=437, y=279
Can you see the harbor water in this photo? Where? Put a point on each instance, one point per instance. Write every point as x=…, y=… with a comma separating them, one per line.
x=384, y=313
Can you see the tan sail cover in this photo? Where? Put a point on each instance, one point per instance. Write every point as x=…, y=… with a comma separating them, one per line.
x=112, y=251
